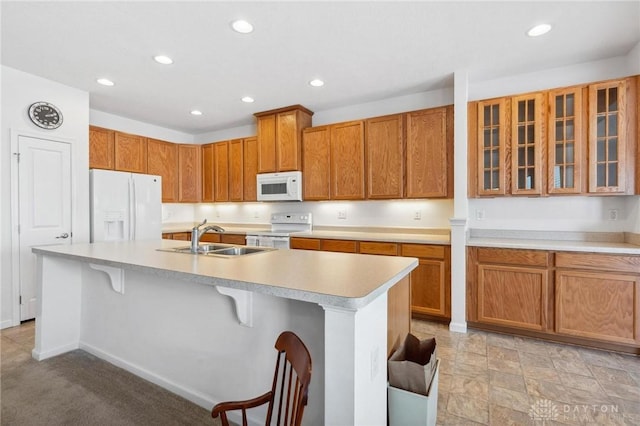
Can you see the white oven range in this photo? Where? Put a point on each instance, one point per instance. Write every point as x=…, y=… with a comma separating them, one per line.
x=282, y=226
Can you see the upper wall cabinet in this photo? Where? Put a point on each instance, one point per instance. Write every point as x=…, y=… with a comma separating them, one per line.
x=527, y=144
x=316, y=161
x=385, y=156
x=130, y=153
x=576, y=140
x=250, y=164
x=236, y=170
x=189, y=173
x=208, y=172
x=566, y=153
x=347, y=161
x=101, y=148
x=162, y=159
x=610, y=122
x=279, y=138
x=429, y=153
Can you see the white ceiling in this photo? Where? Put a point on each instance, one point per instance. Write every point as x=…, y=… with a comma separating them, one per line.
x=364, y=51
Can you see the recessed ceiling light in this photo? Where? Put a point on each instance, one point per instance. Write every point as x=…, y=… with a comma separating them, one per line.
x=164, y=60
x=248, y=99
x=539, y=30
x=196, y=112
x=316, y=83
x=242, y=26
x=105, y=82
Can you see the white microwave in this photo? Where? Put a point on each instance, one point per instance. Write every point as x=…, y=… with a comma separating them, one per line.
x=284, y=186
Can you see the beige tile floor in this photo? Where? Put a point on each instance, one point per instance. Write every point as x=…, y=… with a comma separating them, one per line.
x=494, y=379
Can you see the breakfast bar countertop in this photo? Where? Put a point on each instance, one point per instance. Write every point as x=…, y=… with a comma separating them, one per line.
x=335, y=279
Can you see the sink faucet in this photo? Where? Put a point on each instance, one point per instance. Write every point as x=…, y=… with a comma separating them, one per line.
x=197, y=233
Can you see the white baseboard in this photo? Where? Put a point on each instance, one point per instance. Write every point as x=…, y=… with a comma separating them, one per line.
x=188, y=394
x=6, y=324
x=40, y=356
x=458, y=327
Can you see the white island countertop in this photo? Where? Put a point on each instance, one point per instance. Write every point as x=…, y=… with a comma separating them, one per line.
x=334, y=279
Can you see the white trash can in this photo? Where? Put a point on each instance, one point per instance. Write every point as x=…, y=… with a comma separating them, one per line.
x=413, y=409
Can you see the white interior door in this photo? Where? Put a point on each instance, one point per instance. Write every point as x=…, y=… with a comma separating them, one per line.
x=44, y=192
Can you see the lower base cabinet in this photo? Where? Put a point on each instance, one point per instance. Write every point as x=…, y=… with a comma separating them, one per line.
x=583, y=298
x=431, y=280
x=598, y=297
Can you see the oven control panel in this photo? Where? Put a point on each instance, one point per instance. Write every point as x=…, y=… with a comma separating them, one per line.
x=291, y=218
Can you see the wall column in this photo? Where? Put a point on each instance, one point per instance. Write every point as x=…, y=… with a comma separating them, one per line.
x=460, y=203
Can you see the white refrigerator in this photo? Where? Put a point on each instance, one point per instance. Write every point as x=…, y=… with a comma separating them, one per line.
x=125, y=206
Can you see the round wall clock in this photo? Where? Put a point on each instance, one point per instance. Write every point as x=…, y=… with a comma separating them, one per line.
x=45, y=115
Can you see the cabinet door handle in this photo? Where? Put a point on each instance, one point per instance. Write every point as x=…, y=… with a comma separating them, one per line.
x=65, y=235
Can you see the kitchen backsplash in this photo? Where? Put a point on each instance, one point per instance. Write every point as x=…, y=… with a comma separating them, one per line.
x=397, y=213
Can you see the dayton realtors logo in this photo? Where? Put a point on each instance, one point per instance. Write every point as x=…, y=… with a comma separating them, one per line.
x=546, y=411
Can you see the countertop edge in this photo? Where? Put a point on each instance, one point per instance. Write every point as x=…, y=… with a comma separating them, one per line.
x=353, y=303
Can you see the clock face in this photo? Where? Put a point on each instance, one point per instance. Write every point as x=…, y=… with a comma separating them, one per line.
x=45, y=115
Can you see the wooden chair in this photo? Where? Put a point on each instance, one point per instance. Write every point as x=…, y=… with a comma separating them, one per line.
x=293, y=367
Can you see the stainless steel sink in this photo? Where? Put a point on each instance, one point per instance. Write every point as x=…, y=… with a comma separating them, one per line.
x=222, y=250
x=239, y=251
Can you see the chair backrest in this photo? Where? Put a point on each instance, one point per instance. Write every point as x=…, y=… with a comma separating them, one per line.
x=290, y=381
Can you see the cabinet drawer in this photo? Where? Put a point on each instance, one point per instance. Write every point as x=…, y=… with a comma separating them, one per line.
x=185, y=236
x=233, y=239
x=514, y=257
x=339, y=245
x=305, y=243
x=210, y=237
x=167, y=236
x=368, y=247
x=423, y=250
x=600, y=262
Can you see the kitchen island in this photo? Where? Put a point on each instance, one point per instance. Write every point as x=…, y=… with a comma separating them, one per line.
x=204, y=326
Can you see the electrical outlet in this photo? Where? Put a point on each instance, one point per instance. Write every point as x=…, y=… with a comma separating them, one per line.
x=479, y=214
x=256, y=214
x=417, y=215
x=613, y=214
x=342, y=214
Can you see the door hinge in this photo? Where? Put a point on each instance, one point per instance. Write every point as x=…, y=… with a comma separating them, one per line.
x=17, y=154
x=20, y=301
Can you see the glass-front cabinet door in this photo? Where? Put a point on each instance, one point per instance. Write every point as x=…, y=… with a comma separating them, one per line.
x=492, y=147
x=607, y=137
x=566, y=141
x=526, y=143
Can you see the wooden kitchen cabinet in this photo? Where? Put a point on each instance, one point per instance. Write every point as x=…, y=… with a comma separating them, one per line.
x=221, y=171
x=380, y=248
x=347, y=161
x=162, y=160
x=189, y=173
x=597, y=296
x=343, y=246
x=184, y=236
x=384, y=143
x=280, y=138
x=316, y=163
x=208, y=172
x=429, y=153
x=591, y=145
x=304, y=243
x=527, y=144
x=510, y=287
x=236, y=170
x=491, y=135
x=250, y=169
x=130, y=153
x=566, y=141
x=101, y=148
x=238, y=239
x=612, y=111
x=210, y=237
x=431, y=280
